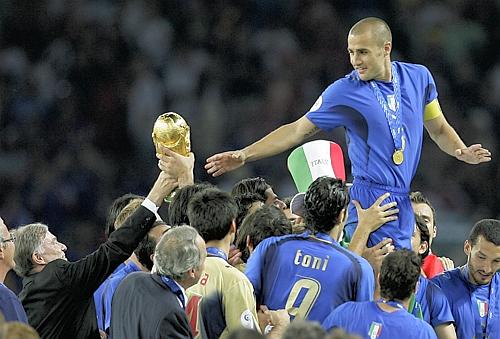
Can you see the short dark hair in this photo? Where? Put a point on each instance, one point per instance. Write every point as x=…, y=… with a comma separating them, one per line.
x=489, y=229
x=244, y=203
x=256, y=187
x=418, y=197
x=147, y=247
x=424, y=234
x=267, y=221
x=114, y=210
x=399, y=274
x=177, y=209
x=325, y=199
x=211, y=213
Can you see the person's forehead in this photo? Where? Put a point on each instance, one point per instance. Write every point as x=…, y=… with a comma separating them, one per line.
x=270, y=193
x=362, y=40
x=422, y=209
x=159, y=230
x=49, y=236
x=3, y=229
x=486, y=247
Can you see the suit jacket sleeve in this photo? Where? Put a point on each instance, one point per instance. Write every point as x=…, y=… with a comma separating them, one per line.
x=88, y=273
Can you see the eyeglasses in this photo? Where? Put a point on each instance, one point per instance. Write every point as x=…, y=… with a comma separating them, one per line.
x=12, y=238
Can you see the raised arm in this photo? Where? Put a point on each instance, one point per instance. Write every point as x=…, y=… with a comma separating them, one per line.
x=279, y=140
x=448, y=140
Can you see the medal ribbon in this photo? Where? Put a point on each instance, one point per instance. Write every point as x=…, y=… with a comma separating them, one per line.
x=216, y=252
x=479, y=331
x=393, y=304
x=172, y=286
x=393, y=117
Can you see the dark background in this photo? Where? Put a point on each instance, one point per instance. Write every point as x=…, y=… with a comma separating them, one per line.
x=81, y=83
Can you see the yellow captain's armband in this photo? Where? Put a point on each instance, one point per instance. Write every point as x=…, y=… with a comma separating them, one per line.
x=432, y=110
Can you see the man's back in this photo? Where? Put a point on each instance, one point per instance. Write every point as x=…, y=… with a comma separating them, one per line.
x=144, y=308
x=222, y=301
x=368, y=320
x=308, y=275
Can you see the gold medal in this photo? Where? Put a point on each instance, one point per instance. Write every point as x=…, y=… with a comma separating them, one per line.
x=398, y=157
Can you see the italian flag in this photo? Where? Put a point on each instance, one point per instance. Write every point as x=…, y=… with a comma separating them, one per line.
x=375, y=330
x=483, y=308
x=315, y=159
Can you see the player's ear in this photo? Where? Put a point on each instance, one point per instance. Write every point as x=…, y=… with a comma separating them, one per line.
x=467, y=247
x=387, y=48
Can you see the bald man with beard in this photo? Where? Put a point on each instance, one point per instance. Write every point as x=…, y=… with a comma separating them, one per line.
x=383, y=106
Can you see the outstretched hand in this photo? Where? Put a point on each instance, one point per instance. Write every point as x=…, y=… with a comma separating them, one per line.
x=221, y=163
x=376, y=215
x=474, y=154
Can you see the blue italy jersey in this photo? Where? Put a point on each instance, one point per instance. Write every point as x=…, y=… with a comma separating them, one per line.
x=433, y=303
x=352, y=104
x=475, y=308
x=369, y=321
x=104, y=294
x=308, y=275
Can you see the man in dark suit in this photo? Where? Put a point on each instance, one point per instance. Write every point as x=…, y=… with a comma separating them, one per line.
x=151, y=305
x=57, y=294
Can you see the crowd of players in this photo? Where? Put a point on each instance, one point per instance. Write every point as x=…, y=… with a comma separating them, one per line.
x=246, y=266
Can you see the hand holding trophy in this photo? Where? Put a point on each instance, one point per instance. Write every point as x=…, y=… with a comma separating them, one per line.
x=171, y=137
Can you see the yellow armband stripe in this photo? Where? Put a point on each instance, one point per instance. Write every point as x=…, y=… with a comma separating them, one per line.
x=432, y=110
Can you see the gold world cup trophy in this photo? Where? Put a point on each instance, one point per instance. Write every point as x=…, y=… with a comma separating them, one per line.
x=172, y=131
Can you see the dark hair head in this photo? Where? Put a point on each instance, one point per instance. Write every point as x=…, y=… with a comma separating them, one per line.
x=399, y=275
x=424, y=234
x=211, y=212
x=325, y=199
x=417, y=197
x=177, y=210
x=489, y=229
x=255, y=187
x=114, y=210
x=244, y=203
x=267, y=221
x=147, y=246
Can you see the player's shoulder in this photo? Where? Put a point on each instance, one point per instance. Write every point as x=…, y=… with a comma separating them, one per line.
x=348, y=82
x=447, y=278
x=278, y=240
x=352, y=257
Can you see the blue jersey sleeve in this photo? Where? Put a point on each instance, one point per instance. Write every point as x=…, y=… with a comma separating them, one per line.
x=439, y=307
x=430, y=89
x=332, y=108
x=366, y=283
x=255, y=265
